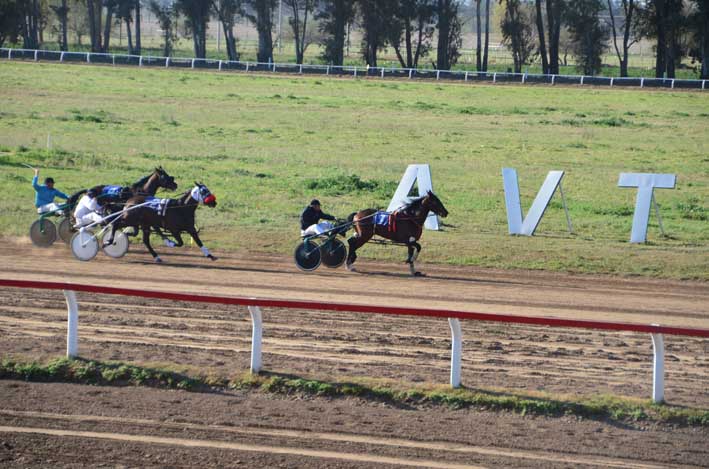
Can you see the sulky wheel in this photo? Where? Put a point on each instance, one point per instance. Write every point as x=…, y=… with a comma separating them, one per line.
x=333, y=253
x=120, y=245
x=84, y=245
x=307, y=256
x=43, y=233
x=66, y=231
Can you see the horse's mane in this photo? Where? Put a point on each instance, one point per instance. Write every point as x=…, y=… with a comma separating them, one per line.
x=416, y=203
x=142, y=181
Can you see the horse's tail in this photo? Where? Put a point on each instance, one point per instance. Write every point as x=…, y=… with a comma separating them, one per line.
x=350, y=217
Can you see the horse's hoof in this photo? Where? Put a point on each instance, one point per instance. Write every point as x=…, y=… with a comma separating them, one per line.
x=212, y=257
x=419, y=274
x=158, y=260
x=350, y=268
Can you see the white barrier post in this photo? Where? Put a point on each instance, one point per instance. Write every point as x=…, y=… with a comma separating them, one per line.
x=274, y=67
x=703, y=83
x=552, y=79
x=673, y=84
x=88, y=58
x=642, y=82
x=256, y=334
x=327, y=70
x=658, y=368
x=9, y=54
x=192, y=63
x=466, y=76
x=140, y=61
x=411, y=71
x=301, y=69
x=494, y=77
x=35, y=55
x=382, y=72
x=72, y=324
x=113, y=59
x=611, y=81
x=247, y=66
x=456, y=351
x=167, y=62
x=581, y=80
x=355, y=70
x=438, y=74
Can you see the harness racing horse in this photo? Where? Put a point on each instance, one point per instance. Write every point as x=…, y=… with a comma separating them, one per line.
x=404, y=226
x=173, y=215
x=113, y=194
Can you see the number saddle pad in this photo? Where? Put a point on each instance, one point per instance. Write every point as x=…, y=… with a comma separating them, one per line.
x=387, y=219
x=157, y=205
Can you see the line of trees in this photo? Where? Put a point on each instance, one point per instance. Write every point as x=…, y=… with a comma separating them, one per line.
x=534, y=30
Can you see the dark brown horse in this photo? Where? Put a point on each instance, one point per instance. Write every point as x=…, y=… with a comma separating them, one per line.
x=405, y=227
x=173, y=215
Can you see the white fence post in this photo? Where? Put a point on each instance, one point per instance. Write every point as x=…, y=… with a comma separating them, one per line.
x=411, y=72
x=552, y=79
x=673, y=84
x=113, y=59
x=256, y=334
x=494, y=77
x=524, y=77
x=355, y=70
x=247, y=66
x=438, y=74
x=327, y=70
x=88, y=57
x=274, y=67
x=167, y=62
x=382, y=72
x=35, y=55
x=220, y=65
x=456, y=351
x=140, y=61
x=9, y=54
x=658, y=368
x=301, y=69
x=581, y=80
x=192, y=63
x=61, y=57
x=611, y=81
x=703, y=83
x=642, y=82
x=72, y=324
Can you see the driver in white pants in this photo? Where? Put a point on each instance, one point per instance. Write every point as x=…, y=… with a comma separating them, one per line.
x=86, y=211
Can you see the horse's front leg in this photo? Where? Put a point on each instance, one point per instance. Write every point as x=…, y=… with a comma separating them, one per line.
x=110, y=239
x=202, y=247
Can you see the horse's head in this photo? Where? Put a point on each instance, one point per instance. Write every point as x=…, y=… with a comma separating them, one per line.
x=202, y=195
x=435, y=204
x=165, y=180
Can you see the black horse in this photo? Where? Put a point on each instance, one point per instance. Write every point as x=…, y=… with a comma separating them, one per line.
x=111, y=195
x=173, y=215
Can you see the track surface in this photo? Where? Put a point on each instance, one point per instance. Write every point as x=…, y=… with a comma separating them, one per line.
x=173, y=427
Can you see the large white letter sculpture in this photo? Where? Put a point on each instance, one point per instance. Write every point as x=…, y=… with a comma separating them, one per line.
x=527, y=226
x=645, y=183
x=420, y=173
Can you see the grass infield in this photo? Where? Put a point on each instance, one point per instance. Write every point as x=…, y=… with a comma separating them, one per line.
x=266, y=145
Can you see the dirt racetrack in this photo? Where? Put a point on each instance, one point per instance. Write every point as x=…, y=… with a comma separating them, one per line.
x=334, y=346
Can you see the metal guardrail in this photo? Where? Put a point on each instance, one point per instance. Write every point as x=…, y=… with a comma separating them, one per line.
x=254, y=306
x=353, y=71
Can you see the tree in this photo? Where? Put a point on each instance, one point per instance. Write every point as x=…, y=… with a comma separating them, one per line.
x=550, y=42
x=411, y=30
x=262, y=18
x=227, y=12
x=137, y=48
x=699, y=25
x=589, y=35
x=478, y=35
x=664, y=20
x=165, y=13
x=629, y=23
x=196, y=13
x=93, y=15
x=300, y=10
x=62, y=12
x=518, y=32
x=31, y=18
x=334, y=17
x=376, y=17
x=10, y=20
x=449, y=34
x=487, y=34
x=124, y=12
x=78, y=21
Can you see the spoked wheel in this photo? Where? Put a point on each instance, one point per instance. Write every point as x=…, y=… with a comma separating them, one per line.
x=333, y=253
x=84, y=245
x=43, y=233
x=66, y=231
x=120, y=245
x=307, y=256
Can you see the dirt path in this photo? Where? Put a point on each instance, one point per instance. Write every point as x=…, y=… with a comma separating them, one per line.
x=74, y=425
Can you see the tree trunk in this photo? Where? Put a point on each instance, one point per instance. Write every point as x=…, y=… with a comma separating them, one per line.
x=137, y=49
x=554, y=20
x=487, y=34
x=91, y=16
x=540, y=33
x=443, y=35
x=65, y=14
x=661, y=47
x=130, y=38
x=340, y=33
x=478, y=54
x=409, y=46
x=107, y=29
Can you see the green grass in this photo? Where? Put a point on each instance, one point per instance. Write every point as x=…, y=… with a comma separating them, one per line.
x=267, y=145
x=119, y=374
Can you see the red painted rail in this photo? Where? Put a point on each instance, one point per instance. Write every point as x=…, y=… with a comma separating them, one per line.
x=359, y=308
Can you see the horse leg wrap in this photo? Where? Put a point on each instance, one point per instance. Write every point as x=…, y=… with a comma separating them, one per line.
x=169, y=243
x=205, y=251
x=412, y=268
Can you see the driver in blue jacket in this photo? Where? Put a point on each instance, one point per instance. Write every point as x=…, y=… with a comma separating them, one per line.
x=45, y=194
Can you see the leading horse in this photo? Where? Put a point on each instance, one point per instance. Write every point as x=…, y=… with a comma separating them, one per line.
x=403, y=226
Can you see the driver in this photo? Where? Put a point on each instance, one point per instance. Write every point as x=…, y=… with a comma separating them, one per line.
x=310, y=220
x=87, y=209
x=45, y=194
